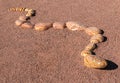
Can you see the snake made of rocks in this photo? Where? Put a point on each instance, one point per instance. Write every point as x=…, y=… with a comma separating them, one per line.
x=90, y=60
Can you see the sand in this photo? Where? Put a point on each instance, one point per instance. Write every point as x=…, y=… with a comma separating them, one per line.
x=53, y=56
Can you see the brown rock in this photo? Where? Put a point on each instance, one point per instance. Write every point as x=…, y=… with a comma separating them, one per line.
x=93, y=61
x=74, y=26
x=58, y=25
x=27, y=25
x=42, y=26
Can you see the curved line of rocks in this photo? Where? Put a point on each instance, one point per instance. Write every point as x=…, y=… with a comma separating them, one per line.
x=90, y=60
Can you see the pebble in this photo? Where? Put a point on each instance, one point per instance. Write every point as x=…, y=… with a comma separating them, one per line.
x=29, y=14
x=90, y=46
x=58, y=25
x=93, y=31
x=42, y=26
x=97, y=38
x=74, y=26
x=93, y=61
x=27, y=25
x=23, y=18
x=86, y=53
x=19, y=22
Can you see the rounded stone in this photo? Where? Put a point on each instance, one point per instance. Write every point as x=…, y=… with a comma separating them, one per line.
x=93, y=31
x=74, y=26
x=93, y=61
x=86, y=53
x=28, y=14
x=97, y=38
x=91, y=46
x=27, y=25
x=19, y=22
x=42, y=26
x=23, y=18
x=58, y=25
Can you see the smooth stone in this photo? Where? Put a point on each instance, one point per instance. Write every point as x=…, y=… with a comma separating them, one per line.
x=42, y=26
x=86, y=53
x=97, y=38
x=93, y=31
x=23, y=18
x=27, y=25
x=94, y=61
x=19, y=22
x=74, y=26
x=58, y=25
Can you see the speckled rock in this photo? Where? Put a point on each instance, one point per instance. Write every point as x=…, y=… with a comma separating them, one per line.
x=74, y=26
x=93, y=61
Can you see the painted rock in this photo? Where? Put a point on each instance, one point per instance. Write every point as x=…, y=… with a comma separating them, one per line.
x=58, y=25
x=93, y=61
x=42, y=26
x=74, y=26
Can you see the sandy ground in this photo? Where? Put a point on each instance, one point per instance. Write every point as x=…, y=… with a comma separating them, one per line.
x=53, y=56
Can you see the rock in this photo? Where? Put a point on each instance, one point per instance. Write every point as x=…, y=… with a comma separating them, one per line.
x=58, y=25
x=93, y=31
x=19, y=22
x=93, y=61
x=27, y=25
x=86, y=53
x=29, y=14
x=42, y=26
x=97, y=38
x=74, y=26
x=90, y=46
x=23, y=18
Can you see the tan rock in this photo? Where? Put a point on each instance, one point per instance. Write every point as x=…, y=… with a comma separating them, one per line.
x=19, y=22
x=42, y=26
x=27, y=25
x=58, y=25
x=86, y=53
x=93, y=31
x=29, y=14
x=97, y=38
x=23, y=18
x=93, y=61
x=90, y=46
x=74, y=26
